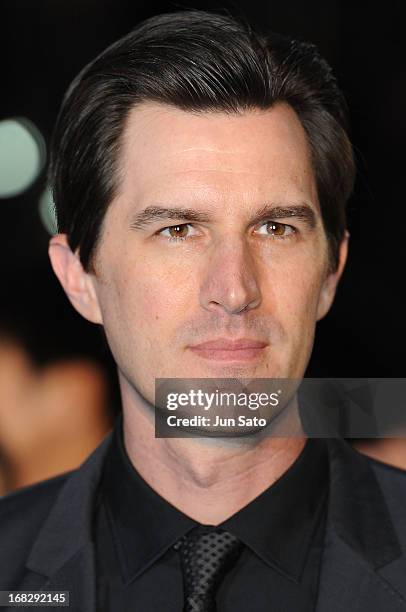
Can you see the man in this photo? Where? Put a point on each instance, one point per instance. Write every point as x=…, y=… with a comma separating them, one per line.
x=200, y=176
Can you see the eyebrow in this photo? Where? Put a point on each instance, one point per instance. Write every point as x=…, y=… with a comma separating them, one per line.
x=150, y=214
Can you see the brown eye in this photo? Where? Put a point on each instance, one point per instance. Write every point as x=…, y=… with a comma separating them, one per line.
x=178, y=231
x=273, y=229
x=277, y=229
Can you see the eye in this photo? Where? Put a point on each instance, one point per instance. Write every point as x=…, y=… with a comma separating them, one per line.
x=176, y=232
x=278, y=230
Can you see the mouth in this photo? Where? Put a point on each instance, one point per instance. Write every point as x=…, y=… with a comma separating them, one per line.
x=222, y=349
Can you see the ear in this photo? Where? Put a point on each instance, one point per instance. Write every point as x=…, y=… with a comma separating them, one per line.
x=77, y=283
x=329, y=287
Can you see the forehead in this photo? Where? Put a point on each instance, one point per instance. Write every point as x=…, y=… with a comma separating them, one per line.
x=214, y=153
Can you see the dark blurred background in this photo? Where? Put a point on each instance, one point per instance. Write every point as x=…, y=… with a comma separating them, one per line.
x=45, y=43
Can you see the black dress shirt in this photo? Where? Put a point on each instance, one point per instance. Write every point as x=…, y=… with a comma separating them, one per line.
x=282, y=529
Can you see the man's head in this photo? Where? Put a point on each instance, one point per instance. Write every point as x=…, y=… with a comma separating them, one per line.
x=247, y=135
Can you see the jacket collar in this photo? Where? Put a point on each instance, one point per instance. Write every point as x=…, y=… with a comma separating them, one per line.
x=68, y=527
x=357, y=509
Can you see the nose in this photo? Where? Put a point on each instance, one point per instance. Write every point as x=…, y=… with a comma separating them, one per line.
x=231, y=281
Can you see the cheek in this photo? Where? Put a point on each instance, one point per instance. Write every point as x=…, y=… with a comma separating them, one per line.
x=296, y=293
x=145, y=296
x=296, y=312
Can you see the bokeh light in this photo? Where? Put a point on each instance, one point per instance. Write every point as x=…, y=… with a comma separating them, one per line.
x=22, y=155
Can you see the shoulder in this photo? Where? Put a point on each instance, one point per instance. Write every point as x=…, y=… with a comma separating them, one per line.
x=49, y=514
x=37, y=497
x=391, y=478
x=22, y=513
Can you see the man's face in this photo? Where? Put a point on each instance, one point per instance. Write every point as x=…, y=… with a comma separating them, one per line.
x=235, y=270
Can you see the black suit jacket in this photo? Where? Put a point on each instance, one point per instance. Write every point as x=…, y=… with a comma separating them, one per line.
x=46, y=535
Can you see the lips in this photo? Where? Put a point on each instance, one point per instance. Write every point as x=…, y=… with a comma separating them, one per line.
x=223, y=349
x=223, y=344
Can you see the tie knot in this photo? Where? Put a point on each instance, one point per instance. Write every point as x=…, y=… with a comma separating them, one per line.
x=206, y=555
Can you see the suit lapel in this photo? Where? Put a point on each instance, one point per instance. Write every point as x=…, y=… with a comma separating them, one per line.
x=362, y=551
x=78, y=576
x=348, y=582
x=62, y=557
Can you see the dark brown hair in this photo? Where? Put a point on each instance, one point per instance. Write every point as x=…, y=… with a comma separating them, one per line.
x=197, y=61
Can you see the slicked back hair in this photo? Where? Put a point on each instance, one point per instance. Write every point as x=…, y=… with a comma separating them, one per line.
x=199, y=62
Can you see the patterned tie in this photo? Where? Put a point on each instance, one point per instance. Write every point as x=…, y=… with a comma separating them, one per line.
x=206, y=555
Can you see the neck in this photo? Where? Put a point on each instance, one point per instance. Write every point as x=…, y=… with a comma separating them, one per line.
x=208, y=479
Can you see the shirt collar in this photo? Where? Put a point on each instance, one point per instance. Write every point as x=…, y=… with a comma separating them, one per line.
x=143, y=523
x=278, y=525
